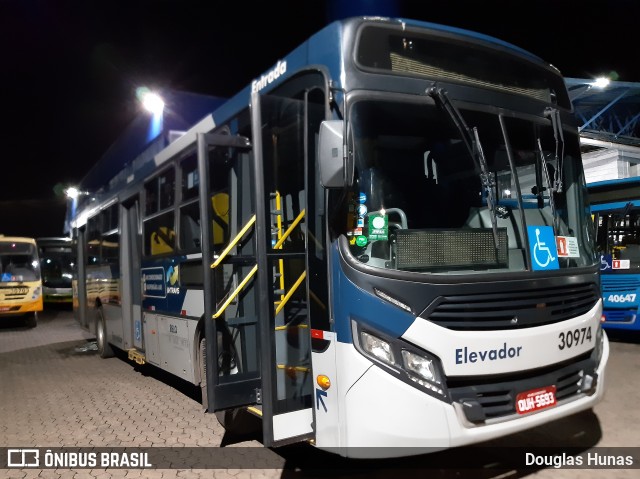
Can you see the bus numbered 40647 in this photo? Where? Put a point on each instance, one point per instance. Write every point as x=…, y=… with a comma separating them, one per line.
x=20, y=281
x=615, y=205
x=381, y=246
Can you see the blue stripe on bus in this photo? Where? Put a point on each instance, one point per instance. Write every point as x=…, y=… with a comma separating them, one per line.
x=620, y=205
x=351, y=302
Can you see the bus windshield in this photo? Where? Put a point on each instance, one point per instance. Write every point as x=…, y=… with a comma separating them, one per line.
x=430, y=196
x=57, y=260
x=618, y=239
x=18, y=262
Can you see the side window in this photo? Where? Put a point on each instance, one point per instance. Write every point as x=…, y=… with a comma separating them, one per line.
x=190, y=234
x=93, y=240
x=190, y=179
x=110, y=237
x=159, y=229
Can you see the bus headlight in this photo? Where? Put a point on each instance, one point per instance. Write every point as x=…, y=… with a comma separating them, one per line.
x=405, y=361
x=377, y=347
x=422, y=370
x=419, y=365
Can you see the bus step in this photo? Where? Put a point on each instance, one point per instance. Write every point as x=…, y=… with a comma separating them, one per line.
x=255, y=410
x=137, y=356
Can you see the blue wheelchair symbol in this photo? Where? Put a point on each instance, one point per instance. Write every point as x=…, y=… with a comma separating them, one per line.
x=606, y=262
x=542, y=246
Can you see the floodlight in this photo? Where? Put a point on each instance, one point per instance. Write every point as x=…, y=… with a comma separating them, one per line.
x=151, y=101
x=601, y=82
x=72, y=192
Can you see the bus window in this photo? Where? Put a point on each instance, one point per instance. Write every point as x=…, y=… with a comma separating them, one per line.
x=159, y=230
x=159, y=235
x=190, y=234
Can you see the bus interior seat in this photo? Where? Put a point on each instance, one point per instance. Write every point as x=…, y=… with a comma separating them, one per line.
x=162, y=241
x=220, y=212
x=189, y=232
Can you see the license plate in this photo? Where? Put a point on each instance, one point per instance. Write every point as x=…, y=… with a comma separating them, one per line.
x=535, y=399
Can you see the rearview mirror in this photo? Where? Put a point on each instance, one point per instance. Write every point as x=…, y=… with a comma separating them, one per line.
x=331, y=154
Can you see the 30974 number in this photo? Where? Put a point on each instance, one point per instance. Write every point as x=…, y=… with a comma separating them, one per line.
x=569, y=339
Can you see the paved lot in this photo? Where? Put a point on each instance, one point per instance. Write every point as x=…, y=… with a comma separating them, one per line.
x=55, y=391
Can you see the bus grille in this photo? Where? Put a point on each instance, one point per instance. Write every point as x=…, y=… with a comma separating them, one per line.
x=512, y=309
x=621, y=284
x=497, y=399
x=620, y=315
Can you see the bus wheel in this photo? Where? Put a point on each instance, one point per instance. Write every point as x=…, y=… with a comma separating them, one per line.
x=202, y=365
x=32, y=320
x=104, y=349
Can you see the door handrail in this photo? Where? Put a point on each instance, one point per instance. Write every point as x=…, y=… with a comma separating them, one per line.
x=235, y=293
x=289, y=230
x=290, y=292
x=234, y=242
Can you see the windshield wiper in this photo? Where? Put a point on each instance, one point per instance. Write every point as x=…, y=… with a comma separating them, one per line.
x=556, y=123
x=474, y=146
x=551, y=183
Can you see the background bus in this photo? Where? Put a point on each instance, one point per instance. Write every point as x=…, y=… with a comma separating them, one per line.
x=57, y=264
x=615, y=205
x=20, y=282
x=383, y=244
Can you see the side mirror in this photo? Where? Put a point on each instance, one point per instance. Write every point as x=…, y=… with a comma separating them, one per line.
x=331, y=154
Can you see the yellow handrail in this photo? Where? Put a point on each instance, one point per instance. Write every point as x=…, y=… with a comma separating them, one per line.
x=286, y=326
x=236, y=292
x=291, y=291
x=233, y=242
x=279, y=229
x=289, y=230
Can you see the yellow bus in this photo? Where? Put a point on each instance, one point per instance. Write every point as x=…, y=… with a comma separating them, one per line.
x=20, y=279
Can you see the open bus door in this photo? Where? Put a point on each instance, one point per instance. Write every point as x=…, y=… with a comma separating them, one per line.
x=256, y=286
x=231, y=363
x=281, y=239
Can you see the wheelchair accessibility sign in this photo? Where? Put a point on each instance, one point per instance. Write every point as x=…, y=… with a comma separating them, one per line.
x=542, y=246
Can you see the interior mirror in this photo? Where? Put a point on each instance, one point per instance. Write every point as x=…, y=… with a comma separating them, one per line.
x=331, y=154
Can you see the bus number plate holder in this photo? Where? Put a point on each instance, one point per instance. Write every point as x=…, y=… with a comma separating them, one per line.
x=535, y=399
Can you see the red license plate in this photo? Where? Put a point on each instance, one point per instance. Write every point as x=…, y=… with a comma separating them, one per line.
x=536, y=399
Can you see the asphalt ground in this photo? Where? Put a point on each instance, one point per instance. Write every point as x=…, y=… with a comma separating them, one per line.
x=56, y=392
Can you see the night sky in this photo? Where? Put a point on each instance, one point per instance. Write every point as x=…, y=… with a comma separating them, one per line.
x=70, y=69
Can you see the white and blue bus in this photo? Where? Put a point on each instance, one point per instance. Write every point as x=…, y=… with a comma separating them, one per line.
x=383, y=244
x=615, y=205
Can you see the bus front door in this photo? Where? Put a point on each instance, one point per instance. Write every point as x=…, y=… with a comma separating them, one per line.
x=229, y=260
x=278, y=126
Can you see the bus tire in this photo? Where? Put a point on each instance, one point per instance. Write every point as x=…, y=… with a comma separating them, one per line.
x=104, y=348
x=31, y=320
x=202, y=366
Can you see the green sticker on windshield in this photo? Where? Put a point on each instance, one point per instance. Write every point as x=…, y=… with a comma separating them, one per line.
x=361, y=241
x=378, y=227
